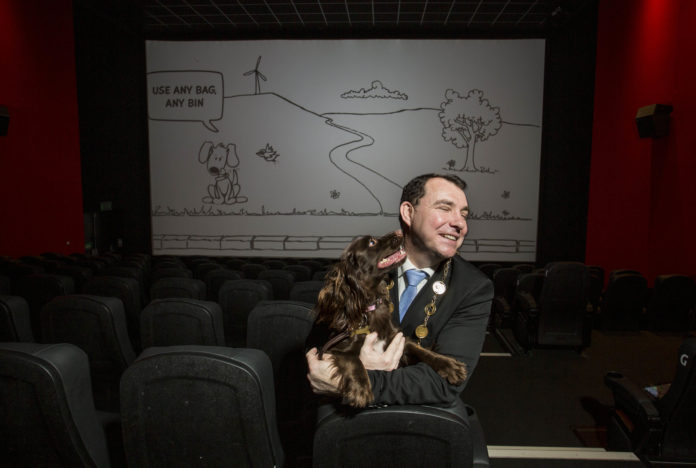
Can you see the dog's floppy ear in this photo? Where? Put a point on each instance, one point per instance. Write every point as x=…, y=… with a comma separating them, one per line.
x=340, y=303
x=232, y=158
x=205, y=151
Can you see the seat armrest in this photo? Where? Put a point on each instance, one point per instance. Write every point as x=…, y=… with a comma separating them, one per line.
x=632, y=399
x=636, y=411
x=527, y=304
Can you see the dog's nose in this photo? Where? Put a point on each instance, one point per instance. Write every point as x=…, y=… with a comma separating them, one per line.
x=214, y=170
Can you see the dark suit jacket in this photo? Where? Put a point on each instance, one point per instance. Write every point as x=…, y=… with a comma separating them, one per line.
x=457, y=329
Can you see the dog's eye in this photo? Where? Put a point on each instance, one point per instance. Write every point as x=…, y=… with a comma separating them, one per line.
x=372, y=242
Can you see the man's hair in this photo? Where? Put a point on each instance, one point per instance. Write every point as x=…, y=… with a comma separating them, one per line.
x=415, y=189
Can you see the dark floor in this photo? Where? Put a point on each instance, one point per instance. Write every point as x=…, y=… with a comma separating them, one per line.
x=556, y=397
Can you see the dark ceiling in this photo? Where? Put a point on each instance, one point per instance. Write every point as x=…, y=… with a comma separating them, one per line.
x=218, y=18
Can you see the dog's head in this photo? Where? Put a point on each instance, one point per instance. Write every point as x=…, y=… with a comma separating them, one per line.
x=217, y=157
x=357, y=279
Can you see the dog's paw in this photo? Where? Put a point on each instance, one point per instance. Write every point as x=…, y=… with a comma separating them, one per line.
x=454, y=372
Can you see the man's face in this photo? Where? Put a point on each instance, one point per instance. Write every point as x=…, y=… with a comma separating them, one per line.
x=437, y=222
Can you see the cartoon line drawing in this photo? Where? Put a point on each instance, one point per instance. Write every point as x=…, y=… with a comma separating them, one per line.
x=257, y=74
x=218, y=160
x=377, y=90
x=268, y=153
x=467, y=120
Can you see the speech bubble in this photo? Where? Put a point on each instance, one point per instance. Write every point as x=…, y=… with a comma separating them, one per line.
x=185, y=95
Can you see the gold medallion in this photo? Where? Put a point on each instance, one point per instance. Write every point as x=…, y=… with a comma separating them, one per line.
x=391, y=307
x=430, y=309
x=421, y=331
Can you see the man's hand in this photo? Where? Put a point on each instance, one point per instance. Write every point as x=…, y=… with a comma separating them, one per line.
x=372, y=354
x=320, y=371
x=375, y=357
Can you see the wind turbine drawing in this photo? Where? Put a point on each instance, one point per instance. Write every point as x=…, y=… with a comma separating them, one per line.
x=258, y=74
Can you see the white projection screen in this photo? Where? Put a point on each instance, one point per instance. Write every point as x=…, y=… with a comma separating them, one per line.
x=291, y=148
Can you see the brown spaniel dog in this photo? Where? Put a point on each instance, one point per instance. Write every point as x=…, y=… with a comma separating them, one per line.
x=355, y=301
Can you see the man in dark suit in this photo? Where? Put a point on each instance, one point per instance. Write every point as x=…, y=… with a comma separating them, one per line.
x=433, y=213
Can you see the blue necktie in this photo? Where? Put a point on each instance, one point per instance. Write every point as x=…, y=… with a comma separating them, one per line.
x=413, y=277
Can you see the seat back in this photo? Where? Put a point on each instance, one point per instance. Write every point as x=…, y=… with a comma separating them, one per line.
x=78, y=273
x=237, y=298
x=624, y=301
x=306, y=291
x=281, y=282
x=125, y=289
x=489, y=268
x=678, y=407
x=200, y=405
x=5, y=285
x=274, y=263
x=280, y=328
x=178, y=287
x=181, y=321
x=531, y=283
x=40, y=289
x=214, y=280
x=401, y=435
x=300, y=272
x=251, y=270
x=523, y=267
x=595, y=286
x=133, y=272
x=673, y=303
x=563, y=305
x=160, y=272
x=97, y=325
x=504, y=285
x=48, y=417
x=202, y=269
x=15, y=321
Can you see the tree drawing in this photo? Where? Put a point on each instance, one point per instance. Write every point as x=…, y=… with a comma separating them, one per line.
x=468, y=120
x=257, y=74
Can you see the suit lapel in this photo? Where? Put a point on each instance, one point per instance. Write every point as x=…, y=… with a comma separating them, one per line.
x=394, y=296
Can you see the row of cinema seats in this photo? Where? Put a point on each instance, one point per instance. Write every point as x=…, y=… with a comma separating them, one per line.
x=136, y=280
x=250, y=404
x=561, y=303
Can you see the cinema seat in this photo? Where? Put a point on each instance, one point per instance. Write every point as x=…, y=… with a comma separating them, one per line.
x=237, y=298
x=402, y=436
x=97, y=325
x=504, y=284
x=306, y=291
x=624, y=302
x=15, y=320
x=178, y=287
x=181, y=321
x=40, y=289
x=281, y=282
x=673, y=304
x=48, y=415
x=125, y=289
x=200, y=406
x=559, y=317
x=657, y=429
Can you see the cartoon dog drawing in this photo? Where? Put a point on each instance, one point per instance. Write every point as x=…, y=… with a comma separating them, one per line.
x=222, y=162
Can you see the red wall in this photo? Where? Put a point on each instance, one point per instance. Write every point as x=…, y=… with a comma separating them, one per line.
x=643, y=191
x=40, y=180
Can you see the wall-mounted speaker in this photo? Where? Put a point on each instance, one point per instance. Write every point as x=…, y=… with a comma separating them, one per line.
x=4, y=120
x=653, y=120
